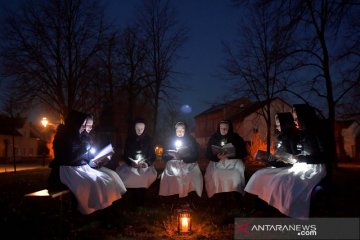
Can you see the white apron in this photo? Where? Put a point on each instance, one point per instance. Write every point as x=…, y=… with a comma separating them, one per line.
x=136, y=177
x=94, y=189
x=181, y=178
x=288, y=189
x=225, y=176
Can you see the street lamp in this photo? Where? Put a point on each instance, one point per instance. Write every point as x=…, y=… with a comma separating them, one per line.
x=44, y=122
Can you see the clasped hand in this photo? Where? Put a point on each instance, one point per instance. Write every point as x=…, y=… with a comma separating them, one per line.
x=139, y=165
x=222, y=156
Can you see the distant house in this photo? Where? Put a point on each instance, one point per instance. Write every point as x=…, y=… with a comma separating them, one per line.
x=245, y=115
x=25, y=135
x=348, y=140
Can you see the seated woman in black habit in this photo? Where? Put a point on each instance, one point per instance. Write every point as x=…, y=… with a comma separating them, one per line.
x=138, y=172
x=94, y=187
x=288, y=189
x=225, y=172
x=182, y=174
x=286, y=141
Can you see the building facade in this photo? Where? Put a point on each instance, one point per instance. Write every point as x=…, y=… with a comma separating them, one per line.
x=246, y=116
x=19, y=137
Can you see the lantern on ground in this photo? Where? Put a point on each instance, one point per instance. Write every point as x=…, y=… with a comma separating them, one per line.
x=184, y=221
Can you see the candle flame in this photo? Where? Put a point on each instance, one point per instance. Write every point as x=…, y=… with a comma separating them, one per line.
x=184, y=224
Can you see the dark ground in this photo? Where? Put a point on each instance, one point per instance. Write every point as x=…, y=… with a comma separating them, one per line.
x=41, y=218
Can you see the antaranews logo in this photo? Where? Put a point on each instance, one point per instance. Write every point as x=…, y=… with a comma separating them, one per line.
x=244, y=228
x=288, y=228
x=299, y=229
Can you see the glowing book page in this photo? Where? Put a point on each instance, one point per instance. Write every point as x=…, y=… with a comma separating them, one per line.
x=226, y=149
x=279, y=159
x=137, y=161
x=102, y=156
x=180, y=152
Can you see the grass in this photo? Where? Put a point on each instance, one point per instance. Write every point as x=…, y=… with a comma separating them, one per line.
x=156, y=219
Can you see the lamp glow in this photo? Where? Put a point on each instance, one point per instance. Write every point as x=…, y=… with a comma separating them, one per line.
x=184, y=221
x=44, y=121
x=304, y=170
x=178, y=144
x=92, y=150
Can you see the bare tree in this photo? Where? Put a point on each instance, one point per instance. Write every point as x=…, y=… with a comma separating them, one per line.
x=324, y=52
x=164, y=37
x=134, y=72
x=49, y=52
x=350, y=84
x=258, y=62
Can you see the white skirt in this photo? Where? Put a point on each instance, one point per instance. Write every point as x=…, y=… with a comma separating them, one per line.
x=136, y=177
x=225, y=176
x=288, y=189
x=94, y=189
x=181, y=178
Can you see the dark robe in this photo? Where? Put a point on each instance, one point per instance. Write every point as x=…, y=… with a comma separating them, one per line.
x=312, y=147
x=190, y=154
x=70, y=147
x=230, y=137
x=142, y=145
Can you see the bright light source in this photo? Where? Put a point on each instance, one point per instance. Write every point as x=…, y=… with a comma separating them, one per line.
x=304, y=170
x=178, y=144
x=44, y=121
x=184, y=221
x=92, y=150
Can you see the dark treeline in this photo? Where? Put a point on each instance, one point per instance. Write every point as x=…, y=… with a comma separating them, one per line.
x=64, y=55
x=305, y=49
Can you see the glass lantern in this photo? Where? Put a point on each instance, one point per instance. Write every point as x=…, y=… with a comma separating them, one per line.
x=184, y=221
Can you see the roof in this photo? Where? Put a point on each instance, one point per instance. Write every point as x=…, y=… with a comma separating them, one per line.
x=234, y=103
x=251, y=108
x=241, y=113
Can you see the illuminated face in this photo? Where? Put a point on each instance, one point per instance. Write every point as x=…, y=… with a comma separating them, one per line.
x=224, y=128
x=296, y=121
x=139, y=128
x=180, y=131
x=277, y=123
x=87, y=125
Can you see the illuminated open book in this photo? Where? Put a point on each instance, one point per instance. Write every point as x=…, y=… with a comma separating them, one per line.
x=228, y=149
x=137, y=161
x=180, y=153
x=103, y=156
x=279, y=159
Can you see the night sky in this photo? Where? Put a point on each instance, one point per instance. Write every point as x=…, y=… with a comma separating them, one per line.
x=209, y=22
